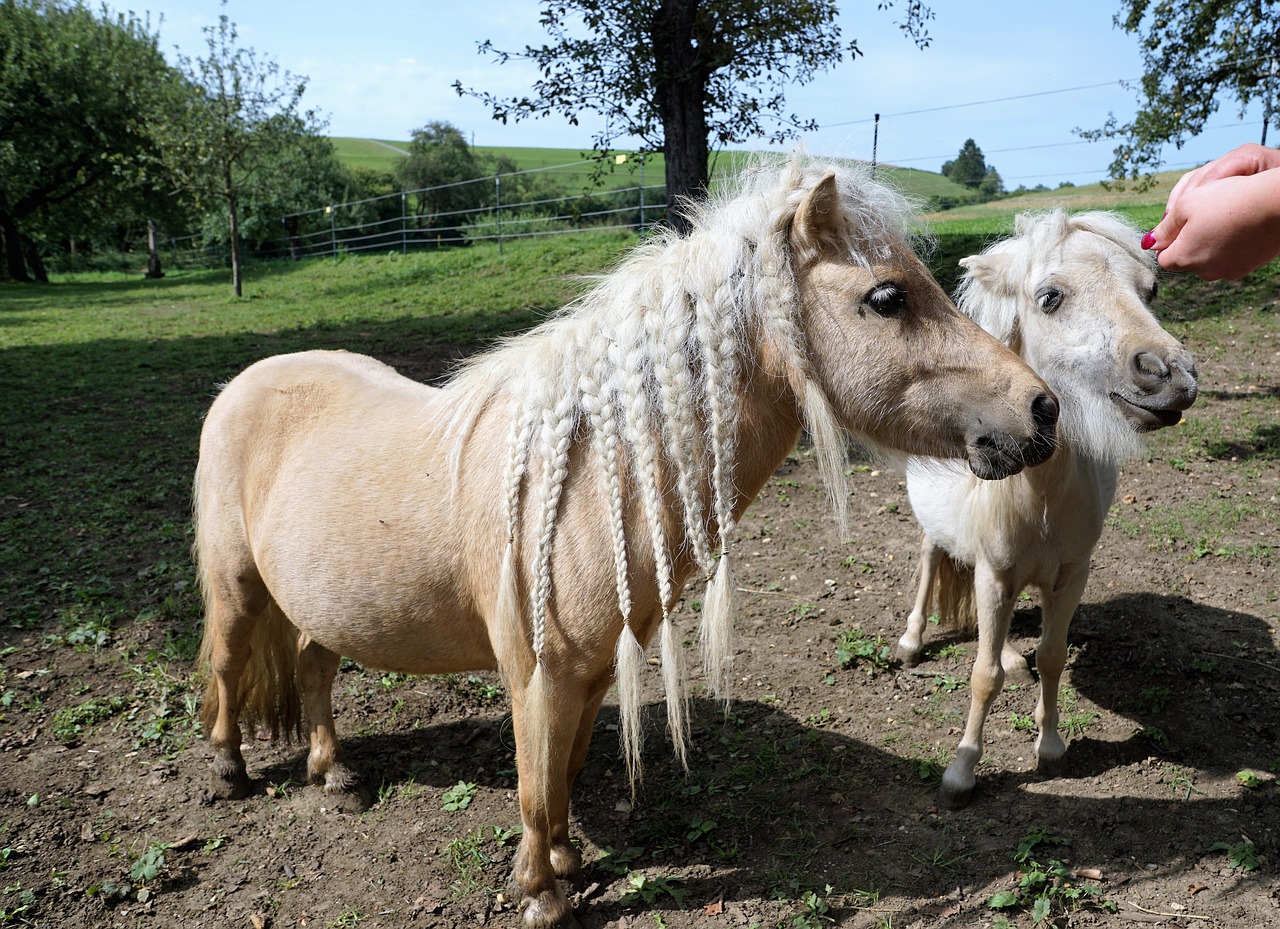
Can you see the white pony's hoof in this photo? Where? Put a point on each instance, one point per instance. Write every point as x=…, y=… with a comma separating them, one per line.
x=956, y=790
x=909, y=653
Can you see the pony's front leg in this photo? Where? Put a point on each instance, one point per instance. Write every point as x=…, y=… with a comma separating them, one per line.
x=546, y=729
x=995, y=610
x=911, y=645
x=317, y=667
x=1051, y=656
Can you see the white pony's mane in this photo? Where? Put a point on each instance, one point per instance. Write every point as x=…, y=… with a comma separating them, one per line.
x=647, y=366
x=1089, y=421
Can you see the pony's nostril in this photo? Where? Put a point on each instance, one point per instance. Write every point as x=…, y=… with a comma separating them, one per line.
x=1149, y=368
x=1044, y=410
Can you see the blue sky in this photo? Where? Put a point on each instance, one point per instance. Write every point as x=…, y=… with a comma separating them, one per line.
x=1017, y=76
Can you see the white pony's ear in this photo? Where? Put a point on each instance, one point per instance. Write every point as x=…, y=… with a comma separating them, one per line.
x=988, y=296
x=820, y=226
x=991, y=269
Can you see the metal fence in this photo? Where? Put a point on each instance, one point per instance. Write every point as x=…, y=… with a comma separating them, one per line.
x=403, y=222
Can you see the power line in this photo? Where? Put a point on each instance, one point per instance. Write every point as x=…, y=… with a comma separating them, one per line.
x=958, y=106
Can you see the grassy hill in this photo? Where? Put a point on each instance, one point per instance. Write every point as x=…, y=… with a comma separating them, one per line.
x=575, y=167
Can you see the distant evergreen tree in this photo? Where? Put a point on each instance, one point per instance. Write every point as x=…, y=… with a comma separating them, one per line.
x=969, y=167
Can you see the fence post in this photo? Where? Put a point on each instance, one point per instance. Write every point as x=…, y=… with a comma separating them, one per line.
x=333, y=232
x=642, y=161
x=497, y=209
x=404, y=223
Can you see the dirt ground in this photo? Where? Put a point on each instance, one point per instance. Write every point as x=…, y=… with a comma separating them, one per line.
x=810, y=802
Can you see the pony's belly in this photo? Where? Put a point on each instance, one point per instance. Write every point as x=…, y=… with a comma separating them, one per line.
x=438, y=643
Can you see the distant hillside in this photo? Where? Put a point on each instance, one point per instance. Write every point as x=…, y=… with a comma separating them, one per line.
x=573, y=164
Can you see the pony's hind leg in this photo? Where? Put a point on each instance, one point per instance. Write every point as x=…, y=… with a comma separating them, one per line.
x=1051, y=656
x=317, y=667
x=911, y=645
x=227, y=636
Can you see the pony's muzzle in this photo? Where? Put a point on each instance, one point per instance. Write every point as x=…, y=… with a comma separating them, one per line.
x=996, y=455
x=1161, y=387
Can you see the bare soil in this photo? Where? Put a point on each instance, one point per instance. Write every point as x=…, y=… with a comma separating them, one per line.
x=810, y=801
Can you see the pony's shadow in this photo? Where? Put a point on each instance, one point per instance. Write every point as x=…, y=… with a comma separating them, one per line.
x=773, y=805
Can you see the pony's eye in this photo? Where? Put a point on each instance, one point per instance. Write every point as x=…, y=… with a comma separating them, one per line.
x=887, y=299
x=1153, y=293
x=1048, y=298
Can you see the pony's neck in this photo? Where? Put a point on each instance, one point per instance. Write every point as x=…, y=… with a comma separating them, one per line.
x=770, y=424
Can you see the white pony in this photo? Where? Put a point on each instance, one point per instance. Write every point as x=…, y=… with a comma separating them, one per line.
x=1071, y=295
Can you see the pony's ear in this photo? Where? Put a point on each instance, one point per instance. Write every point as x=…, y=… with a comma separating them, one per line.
x=819, y=226
x=989, y=269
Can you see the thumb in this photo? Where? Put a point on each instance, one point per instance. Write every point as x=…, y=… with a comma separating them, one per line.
x=1164, y=233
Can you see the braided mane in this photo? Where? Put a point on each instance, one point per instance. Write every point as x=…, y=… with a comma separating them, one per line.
x=647, y=368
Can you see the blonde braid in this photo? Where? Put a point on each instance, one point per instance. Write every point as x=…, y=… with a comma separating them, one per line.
x=639, y=432
x=554, y=441
x=714, y=324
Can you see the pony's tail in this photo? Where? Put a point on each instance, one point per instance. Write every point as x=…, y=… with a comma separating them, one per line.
x=953, y=586
x=269, y=696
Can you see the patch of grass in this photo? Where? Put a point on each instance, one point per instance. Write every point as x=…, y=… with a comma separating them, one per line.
x=69, y=723
x=1073, y=718
x=459, y=796
x=1048, y=889
x=1242, y=855
x=648, y=891
x=855, y=648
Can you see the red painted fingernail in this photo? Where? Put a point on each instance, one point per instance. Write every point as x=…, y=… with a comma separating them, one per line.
x=1148, y=241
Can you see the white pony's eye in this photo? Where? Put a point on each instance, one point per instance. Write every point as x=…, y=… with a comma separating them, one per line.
x=887, y=299
x=1153, y=293
x=1048, y=298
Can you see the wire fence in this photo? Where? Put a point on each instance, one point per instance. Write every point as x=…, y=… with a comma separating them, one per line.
x=446, y=216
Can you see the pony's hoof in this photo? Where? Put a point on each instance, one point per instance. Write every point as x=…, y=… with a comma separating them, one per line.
x=1017, y=671
x=1051, y=767
x=352, y=799
x=950, y=799
x=910, y=657
x=549, y=910
x=344, y=791
x=956, y=790
x=228, y=781
x=566, y=862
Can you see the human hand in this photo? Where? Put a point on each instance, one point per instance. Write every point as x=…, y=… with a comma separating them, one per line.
x=1223, y=219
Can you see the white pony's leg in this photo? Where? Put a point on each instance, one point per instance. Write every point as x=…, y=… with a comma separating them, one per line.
x=911, y=645
x=1059, y=605
x=994, y=598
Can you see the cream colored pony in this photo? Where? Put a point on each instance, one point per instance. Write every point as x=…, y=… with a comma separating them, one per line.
x=542, y=512
x=1071, y=295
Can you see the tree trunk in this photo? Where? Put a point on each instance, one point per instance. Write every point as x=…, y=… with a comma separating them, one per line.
x=233, y=214
x=681, y=77
x=154, y=270
x=34, y=262
x=11, y=241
